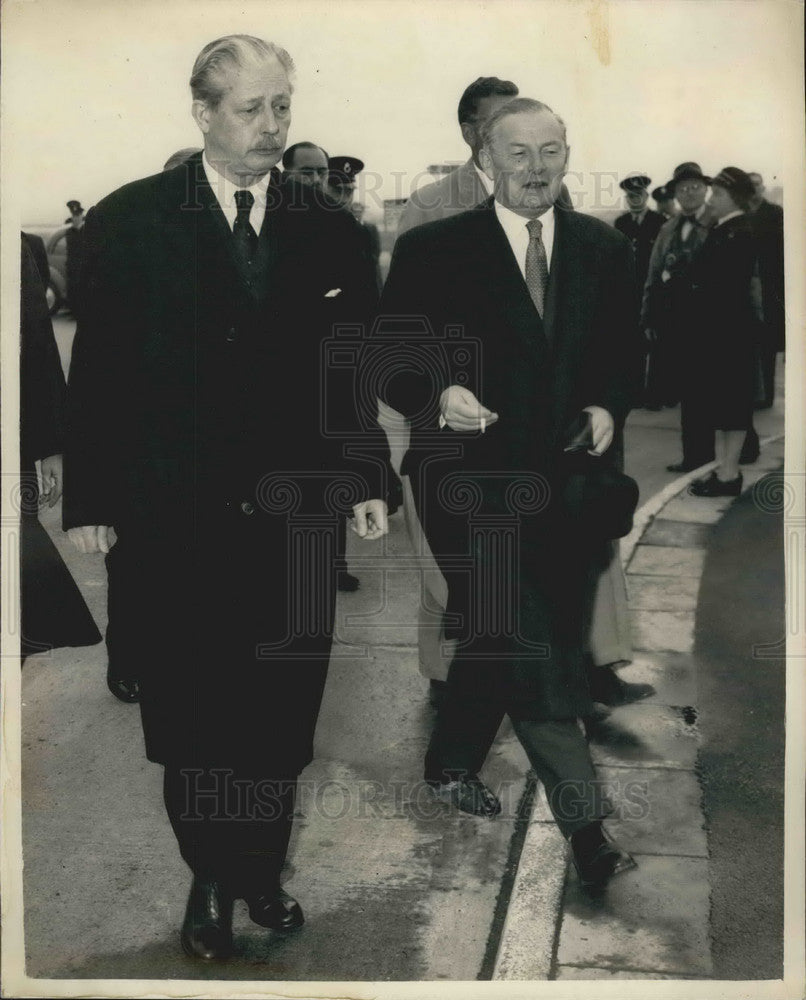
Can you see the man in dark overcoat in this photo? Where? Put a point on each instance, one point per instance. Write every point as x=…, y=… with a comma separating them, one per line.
x=526, y=335
x=641, y=226
x=201, y=429
x=767, y=220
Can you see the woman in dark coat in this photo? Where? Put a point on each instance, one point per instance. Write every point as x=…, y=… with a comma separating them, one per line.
x=726, y=320
x=53, y=610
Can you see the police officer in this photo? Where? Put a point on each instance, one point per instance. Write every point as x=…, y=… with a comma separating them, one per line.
x=342, y=171
x=641, y=226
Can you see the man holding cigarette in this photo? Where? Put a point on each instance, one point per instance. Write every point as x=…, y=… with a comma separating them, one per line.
x=532, y=318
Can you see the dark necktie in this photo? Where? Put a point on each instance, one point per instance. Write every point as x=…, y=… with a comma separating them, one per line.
x=537, y=267
x=245, y=236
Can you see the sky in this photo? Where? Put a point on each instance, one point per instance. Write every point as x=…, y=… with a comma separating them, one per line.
x=97, y=94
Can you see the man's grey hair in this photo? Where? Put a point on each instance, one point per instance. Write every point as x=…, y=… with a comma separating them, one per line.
x=208, y=80
x=519, y=106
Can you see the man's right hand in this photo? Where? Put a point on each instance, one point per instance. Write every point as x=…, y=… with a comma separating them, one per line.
x=461, y=411
x=90, y=537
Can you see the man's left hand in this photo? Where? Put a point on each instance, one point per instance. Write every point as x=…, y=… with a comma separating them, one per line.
x=52, y=480
x=602, y=427
x=370, y=519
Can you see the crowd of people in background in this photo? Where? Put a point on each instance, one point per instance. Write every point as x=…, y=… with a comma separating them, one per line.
x=711, y=305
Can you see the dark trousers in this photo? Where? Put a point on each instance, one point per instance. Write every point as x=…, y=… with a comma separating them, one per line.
x=661, y=386
x=697, y=426
x=232, y=824
x=768, y=358
x=341, y=546
x=557, y=750
x=122, y=662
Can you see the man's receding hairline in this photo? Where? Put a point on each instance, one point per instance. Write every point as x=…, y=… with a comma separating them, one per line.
x=519, y=112
x=229, y=70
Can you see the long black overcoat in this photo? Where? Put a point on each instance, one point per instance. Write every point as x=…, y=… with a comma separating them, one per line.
x=520, y=579
x=202, y=427
x=725, y=323
x=53, y=612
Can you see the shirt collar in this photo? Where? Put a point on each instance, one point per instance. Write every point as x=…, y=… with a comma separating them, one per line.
x=514, y=225
x=730, y=215
x=485, y=180
x=224, y=190
x=639, y=216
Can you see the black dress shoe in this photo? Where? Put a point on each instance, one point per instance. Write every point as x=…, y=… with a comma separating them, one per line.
x=437, y=692
x=207, y=929
x=276, y=910
x=713, y=486
x=597, y=857
x=468, y=794
x=346, y=582
x=607, y=688
x=123, y=688
x=600, y=712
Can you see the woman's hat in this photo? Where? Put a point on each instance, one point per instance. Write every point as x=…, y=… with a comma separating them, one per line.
x=736, y=182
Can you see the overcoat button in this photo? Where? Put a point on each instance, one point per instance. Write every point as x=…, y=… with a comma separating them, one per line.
x=230, y=334
x=247, y=507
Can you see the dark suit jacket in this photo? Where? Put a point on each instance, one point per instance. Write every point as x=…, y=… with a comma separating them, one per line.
x=768, y=225
x=642, y=236
x=197, y=428
x=461, y=276
x=664, y=304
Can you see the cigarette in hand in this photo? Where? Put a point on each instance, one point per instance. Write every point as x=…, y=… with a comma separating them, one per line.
x=483, y=424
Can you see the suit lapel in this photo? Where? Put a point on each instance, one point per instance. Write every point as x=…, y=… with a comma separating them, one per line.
x=200, y=214
x=569, y=292
x=560, y=253
x=501, y=272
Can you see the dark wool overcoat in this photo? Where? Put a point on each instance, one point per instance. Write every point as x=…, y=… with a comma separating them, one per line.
x=204, y=426
x=520, y=575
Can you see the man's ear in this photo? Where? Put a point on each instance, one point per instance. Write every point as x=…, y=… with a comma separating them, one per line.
x=468, y=133
x=567, y=158
x=486, y=162
x=201, y=115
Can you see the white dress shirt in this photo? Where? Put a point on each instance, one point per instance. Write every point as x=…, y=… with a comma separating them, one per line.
x=224, y=190
x=514, y=227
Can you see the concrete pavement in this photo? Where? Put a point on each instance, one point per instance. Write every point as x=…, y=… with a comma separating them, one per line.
x=395, y=886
